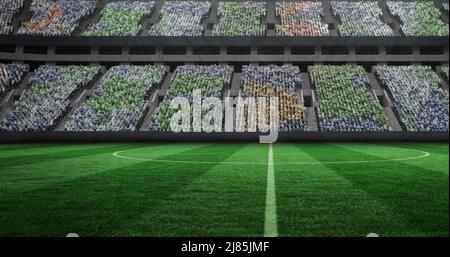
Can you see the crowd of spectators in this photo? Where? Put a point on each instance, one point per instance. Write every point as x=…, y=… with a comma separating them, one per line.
x=47, y=98
x=210, y=79
x=419, y=100
x=282, y=82
x=56, y=17
x=419, y=18
x=182, y=18
x=344, y=100
x=235, y=18
x=11, y=75
x=8, y=10
x=361, y=18
x=240, y=19
x=120, y=19
x=120, y=100
x=300, y=19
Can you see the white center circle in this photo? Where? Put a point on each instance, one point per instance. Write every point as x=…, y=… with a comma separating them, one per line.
x=419, y=155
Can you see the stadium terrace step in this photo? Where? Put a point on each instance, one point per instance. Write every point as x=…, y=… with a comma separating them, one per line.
x=443, y=7
x=151, y=19
x=152, y=105
x=235, y=84
x=165, y=85
x=444, y=77
x=388, y=18
x=311, y=118
x=212, y=18
x=21, y=16
x=85, y=22
x=13, y=95
x=393, y=121
x=374, y=83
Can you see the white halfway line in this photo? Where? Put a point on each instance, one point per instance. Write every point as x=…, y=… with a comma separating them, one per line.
x=270, y=221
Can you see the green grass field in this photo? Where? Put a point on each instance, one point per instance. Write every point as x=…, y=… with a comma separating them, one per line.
x=341, y=189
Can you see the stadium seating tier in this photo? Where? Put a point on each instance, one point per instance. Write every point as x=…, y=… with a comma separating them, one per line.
x=240, y=19
x=360, y=19
x=300, y=19
x=212, y=80
x=344, y=99
x=419, y=100
x=182, y=18
x=8, y=10
x=47, y=97
x=10, y=75
x=119, y=102
x=276, y=81
x=120, y=19
x=419, y=18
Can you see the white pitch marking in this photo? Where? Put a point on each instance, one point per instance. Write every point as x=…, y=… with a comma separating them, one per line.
x=270, y=222
x=423, y=155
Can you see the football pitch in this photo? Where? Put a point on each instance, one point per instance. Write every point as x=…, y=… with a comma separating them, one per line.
x=211, y=189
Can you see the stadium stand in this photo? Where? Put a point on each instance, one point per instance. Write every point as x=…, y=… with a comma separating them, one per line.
x=276, y=81
x=252, y=48
x=240, y=19
x=360, y=19
x=181, y=19
x=120, y=19
x=47, y=97
x=8, y=9
x=419, y=101
x=344, y=101
x=300, y=19
x=11, y=75
x=419, y=18
x=119, y=102
x=212, y=80
x=56, y=18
